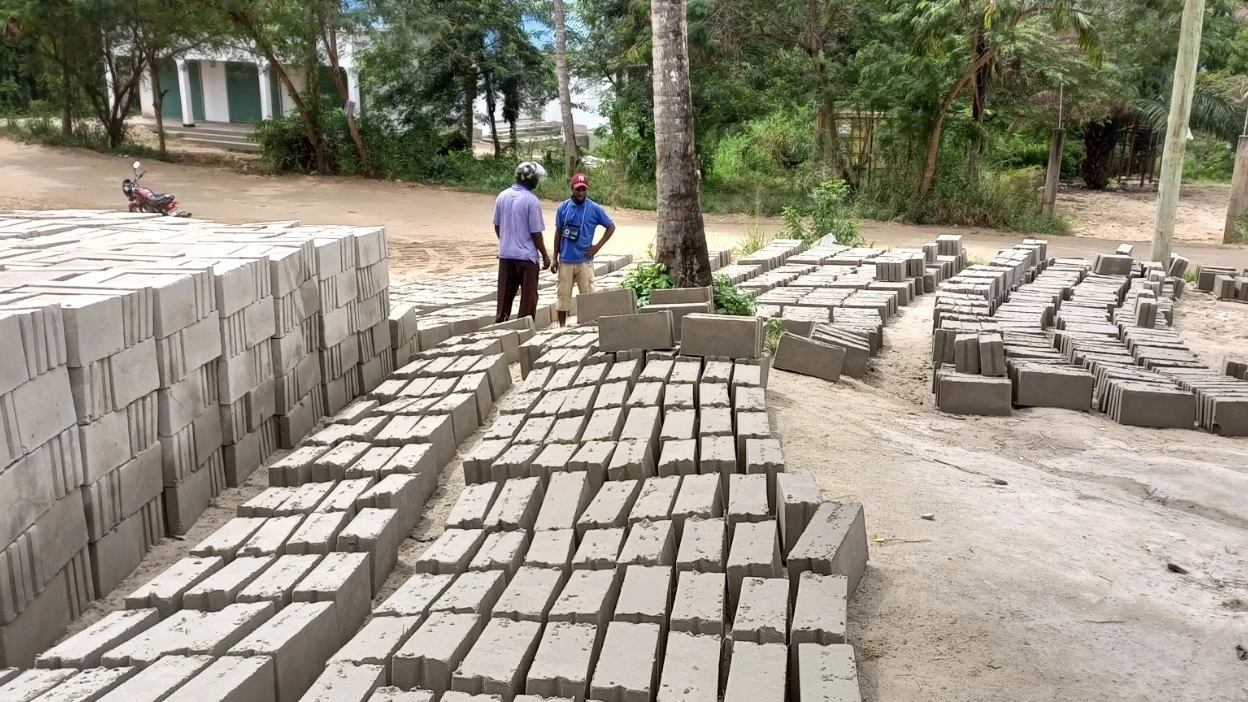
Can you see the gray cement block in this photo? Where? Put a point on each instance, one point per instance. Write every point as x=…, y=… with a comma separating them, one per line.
x=499, y=662
x=318, y=533
x=599, y=549
x=270, y=539
x=646, y=330
x=190, y=632
x=277, y=583
x=566, y=498
x=551, y=549
x=698, y=607
x=346, y=682
x=797, y=498
x=164, y=592
x=721, y=336
x=765, y=457
x=690, y=670
x=375, y=532
x=565, y=658
x=633, y=459
x=755, y=552
x=478, y=464
x=747, y=500
x=834, y=543
x=377, y=642
x=307, y=498
x=298, y=641
x=158, y=681
x=84, y=649
x=451, y=552
x=474, y=592
x=617, y=301
x=432, y=655
x=30, y=684
x=593, y=458
x=221, y=589
x=415, y=596
x=655, y=499
x=645, y=595
x=610, y=506
x=588, y=598
x=650, y=544
x=515, y=462
x=612, y=395
x=266, y=503
x=341, y=578
x=552, y=459
x=516, y=507
x=678, y=458
x=703, y=546
x=757, y=673
x=762, y=612
x=627, y=668
x=819, y=615
x=37, y=627
x=88, y=686
x=699, y=497
x=473, y=504
x=345, y=496
x=809, y=357
x=531, y=594
x=826, y=674
x=501, y=550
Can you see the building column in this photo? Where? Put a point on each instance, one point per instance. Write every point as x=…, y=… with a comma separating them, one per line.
x=266, y=91
x=353, y=88
x=184, y=92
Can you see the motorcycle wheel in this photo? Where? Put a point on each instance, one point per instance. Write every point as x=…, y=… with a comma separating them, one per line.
x=182, y=213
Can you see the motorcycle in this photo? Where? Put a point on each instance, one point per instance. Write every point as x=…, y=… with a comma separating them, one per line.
x=144, y=200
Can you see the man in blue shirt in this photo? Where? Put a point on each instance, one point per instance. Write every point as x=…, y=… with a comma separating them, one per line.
x=518, y=224
x=576, y=221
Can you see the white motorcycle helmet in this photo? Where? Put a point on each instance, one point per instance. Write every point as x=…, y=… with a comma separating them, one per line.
x=529, y=174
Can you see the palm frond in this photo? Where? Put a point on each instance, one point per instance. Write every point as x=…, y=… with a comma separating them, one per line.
x=1212, y=113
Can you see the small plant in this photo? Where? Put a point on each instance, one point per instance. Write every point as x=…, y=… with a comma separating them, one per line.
x=1241, y=229
x=1189, y=275
x=732, y=300
x=755, y=239
x=832, y=212
x=645, y=278
x=795, y=224
x=775, y=328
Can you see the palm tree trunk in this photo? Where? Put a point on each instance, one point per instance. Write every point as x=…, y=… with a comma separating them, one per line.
x=570, y=155
x=1098, y=149
x=681, y=242
x=933, y=139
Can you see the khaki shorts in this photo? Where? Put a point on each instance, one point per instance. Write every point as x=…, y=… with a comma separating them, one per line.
x=582, y=274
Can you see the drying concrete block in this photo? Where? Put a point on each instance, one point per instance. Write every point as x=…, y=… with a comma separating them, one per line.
x=377, y=642
x=566, y=498
x=88, y=686
x=834, y=543
x=318, y=533
x=765, y=457
x=498, y=662
x=277, y=583
x=610, y=507
x=307, y=498
x=721, y=336
x=819, y=615
x=191, y=633
x=346, y=682
x=588, y=598
x=628, y=664
x=762, y=613
x=565, y=658
x=809, y=357
x=678, y=458
x=616, y=301
x=7, y=674
x=298, y=640
x=451, y=552
x=690, y=670
x=333, y=464
x=755, y=552
x=438, y=432
x=473, y=504
x=515, y=463
x=159, y=681
x=341, y=578
x=474, y=592
x=394, y=694
x=645, y=595
x=703, y=545
x=826, y=674
x=757, y=673
x=83, y=650
x=375, y=532
x=796, y=499
x=599, y=549
x=699, y=497
x=717, y=455
x=633, y=459
x=679, y=425
x=552, y=460
x=432, y=655
x=747, y=500
x=501, y=550
x=713, y=396
x=642, y=331
x=295, y=468
x=373, y=463
x=613, y=395
x=750, y=425
x=551, y=549
x=655, y=499
x=531, y=594
x=698, y=607
x=604, y=425
x=266, y=503
x=649, y=543
x=221, y=589
x=517, y=505
x=345, y=496
x=479, y=464
x=592, y=459
x=30, y=684
x=454, y=696
x=164, y=592
x=415, y=596
x=270, y=539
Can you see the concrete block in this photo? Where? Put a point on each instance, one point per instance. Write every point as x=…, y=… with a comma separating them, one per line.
x=645, y=595
x=190, y=632
x=690, y=671
x=295, y=468
x=221, y=589
x=721, y=336
x=747, y=500
x=28, y=685
x=589, y=597
x=185, y=503
x=394, y=694
x=270, y=539
x=698, y=607
x=415, y=596
x=277, y=583
x=451, y=552
x=345, y=496
x=516, y=507
x=266, y=503
x=765, y=457
x=346, y=682
x=473, y=505
x=750, y=425
x=820, y=613
x=834, y=543
x=377, y=642
x=531, y=594
x=755, y=552
x=618, y=301
x=633, y=459
x=599, y=549
x=88, y=686
x=374, y=532
x=474, y=592
x=298, y=640
x=593, y=458
x=37, y=626
x=372, y=464
x=612, y=395
x=551, y=549
x=498, y=663
x=826, y=674
x=703, y=545
x=650, y=544
x=405, y=494
x=757, y=673
x=159, y=681
x=333, y=464
x=610, y=506
x=655, y=499
x=432, y=655
x=501, y=550
x=797, y=498
x=341, y=578
x=699, y=496
x=84, y=649
x=307, y=498
x=809, y=357
x=566, y=498
x=627, y=668
x=646, y=330
x=959, y=393
x=762, y=612
x=478, y=464
x=164, y=592
x=678, y=458
x=553, y=459
x=565, y=658
x=515, y=462
x=318, y=534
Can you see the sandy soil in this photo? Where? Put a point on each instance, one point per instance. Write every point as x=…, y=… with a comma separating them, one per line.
x=1129, y=214
x=1045, y=574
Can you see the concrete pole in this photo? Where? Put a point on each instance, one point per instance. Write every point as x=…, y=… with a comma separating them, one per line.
x=184, y=91
x=1176, y=129
x=266, y=90
x=1053, y=173
x=1239, y=193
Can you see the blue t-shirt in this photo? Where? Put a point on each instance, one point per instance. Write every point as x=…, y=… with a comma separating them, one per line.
x=582, y=222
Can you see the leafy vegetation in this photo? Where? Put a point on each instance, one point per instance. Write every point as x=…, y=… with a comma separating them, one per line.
x=774, y=330
x=755, y=238
x=646, y=277
x=731, y=299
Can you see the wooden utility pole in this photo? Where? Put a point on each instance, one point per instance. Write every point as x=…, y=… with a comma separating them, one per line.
x=1238, y=206
x=1171, y=178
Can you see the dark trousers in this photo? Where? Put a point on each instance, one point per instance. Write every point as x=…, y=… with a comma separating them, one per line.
x=516, y=274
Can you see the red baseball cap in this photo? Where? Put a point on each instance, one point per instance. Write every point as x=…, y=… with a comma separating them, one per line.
x=580, y=180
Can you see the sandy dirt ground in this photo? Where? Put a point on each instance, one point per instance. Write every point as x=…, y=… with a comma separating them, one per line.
x=1128, y=213
x=1069, y=558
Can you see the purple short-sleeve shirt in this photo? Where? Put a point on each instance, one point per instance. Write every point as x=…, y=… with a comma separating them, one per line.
x=518, y=216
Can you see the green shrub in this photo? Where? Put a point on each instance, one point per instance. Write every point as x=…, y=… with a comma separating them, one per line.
x=832, y=212
x=731, y=299
x=646, y=277
x=755, y=238
x=775, y=329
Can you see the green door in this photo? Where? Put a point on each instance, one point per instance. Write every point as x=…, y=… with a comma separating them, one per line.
x=197, y=90
x=242, y=90
x=171, y=108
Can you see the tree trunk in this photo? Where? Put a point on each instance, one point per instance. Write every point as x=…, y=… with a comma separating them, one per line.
x=570, y=156
x=470, y=95
x=1098, y=150
x=979, y=102
x=827, y=141
x=348, y=105
x=490, y=108
x=158, y=105
x=933, y=140
x=681, y=232
x=67, y=104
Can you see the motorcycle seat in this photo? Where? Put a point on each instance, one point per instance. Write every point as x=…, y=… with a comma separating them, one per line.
x=161, y=199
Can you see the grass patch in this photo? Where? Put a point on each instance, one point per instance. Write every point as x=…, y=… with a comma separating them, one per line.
x=86, y=135
x=755, y=239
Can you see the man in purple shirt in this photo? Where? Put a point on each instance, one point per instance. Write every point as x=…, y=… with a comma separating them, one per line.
x=518, y=224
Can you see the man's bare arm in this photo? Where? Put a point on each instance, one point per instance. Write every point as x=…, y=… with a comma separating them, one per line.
x=554, y=262
x=541, y=246
x=606, y=236
x=498, y=233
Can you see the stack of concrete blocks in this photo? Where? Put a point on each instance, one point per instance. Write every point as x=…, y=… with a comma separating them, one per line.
x=298, y=386
x=774, y=254
x=45, y=569
x=681, y=302
x=1227, y=287
x=1235, y=367
x=1206, y=276
x=340, y=344
x=373, y=309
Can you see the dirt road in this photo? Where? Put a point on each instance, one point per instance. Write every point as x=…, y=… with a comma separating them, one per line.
x=439, y=230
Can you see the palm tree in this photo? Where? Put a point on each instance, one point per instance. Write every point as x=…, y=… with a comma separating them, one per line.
x=570, y=155
x=682, y=235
